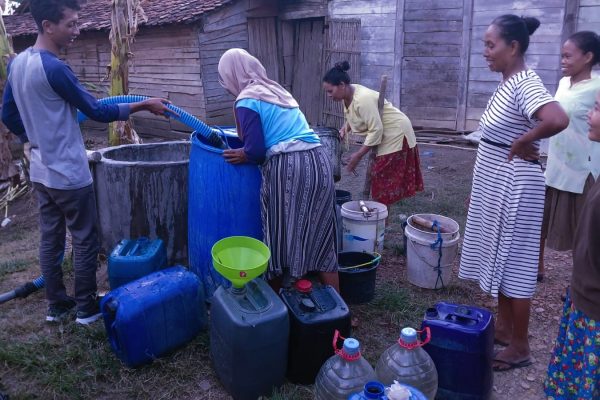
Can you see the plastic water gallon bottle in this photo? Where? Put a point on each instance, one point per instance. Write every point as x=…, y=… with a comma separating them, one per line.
x=407, y=363
x=344, y=373
x=372, y=390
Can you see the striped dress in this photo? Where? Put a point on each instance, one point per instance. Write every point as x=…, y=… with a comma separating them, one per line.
x=502, y=235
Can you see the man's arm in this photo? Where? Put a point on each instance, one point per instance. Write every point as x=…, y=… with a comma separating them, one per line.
x=10, y=114
x=64, y=82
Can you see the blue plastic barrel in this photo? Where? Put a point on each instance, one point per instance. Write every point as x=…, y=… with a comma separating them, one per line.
x=223, y=200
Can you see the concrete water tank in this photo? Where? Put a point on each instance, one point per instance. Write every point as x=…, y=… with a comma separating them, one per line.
x=142, y=190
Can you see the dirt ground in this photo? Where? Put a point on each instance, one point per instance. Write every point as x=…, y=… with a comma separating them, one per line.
x=439, y=166
x=447, y=174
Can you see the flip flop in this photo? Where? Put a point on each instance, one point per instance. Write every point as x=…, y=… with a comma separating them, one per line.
x=500, y=343
x=511, y=365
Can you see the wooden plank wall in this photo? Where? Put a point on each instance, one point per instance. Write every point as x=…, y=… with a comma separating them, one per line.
x=431, y=61
x=378, y=44
x=589, y=15
x=543, y=55
x=221, y=30
x=166, y=63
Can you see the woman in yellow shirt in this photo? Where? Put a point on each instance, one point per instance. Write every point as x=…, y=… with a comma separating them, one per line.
x=396, y=172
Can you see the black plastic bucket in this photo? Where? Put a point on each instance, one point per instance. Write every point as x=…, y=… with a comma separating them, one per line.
x=357, y=285
x=342, y=196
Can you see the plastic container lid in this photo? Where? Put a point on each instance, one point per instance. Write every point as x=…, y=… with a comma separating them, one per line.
x=303, y=286
x=351, y=346
x=408, y=335
x=374, y=390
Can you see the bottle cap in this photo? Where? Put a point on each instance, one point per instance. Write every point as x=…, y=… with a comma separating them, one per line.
x=408, y=335
x=303, y=286
x=351, y=346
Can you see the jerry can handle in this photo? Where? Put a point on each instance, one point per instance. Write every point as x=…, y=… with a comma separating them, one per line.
x=418, y=343
x=111, y=309
x=341, y=352
x=114, y=337
x=463, y=312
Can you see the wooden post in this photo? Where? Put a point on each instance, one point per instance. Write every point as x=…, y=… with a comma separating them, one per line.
x=569, y=27
x=373, y=152
x=465, y=65
x=398, y=54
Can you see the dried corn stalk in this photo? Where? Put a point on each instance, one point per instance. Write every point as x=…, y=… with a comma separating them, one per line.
x=125, y=16
x=7, y=168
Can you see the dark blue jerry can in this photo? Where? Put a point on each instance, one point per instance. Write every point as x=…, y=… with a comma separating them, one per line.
x=223, y=200
x=316, y=312
x=461, y=336
x=249, y=331
x=133, y=258
x=153, y=315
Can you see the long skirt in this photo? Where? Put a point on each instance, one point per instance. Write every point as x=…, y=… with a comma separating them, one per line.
x=574, y=368
x=298, y=213
x=397, y=175
x=502, y=236
x=561, y=213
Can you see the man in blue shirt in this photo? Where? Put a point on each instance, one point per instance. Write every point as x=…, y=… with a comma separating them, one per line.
x=40, y=105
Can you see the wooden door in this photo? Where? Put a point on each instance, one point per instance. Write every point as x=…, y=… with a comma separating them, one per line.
x=262, y=43
x=308, y=59
x=342, y=43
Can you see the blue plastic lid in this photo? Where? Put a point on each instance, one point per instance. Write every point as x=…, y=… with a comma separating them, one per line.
x=374, y=390
x=351, y=346
x=408, y=335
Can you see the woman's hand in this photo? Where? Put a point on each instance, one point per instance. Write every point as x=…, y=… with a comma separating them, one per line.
x=353, y=162
x=524, y=149
x=343, y=132
x=235, y=156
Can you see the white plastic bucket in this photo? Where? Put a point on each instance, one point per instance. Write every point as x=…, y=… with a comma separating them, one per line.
x=363, y=232
x=422, y=259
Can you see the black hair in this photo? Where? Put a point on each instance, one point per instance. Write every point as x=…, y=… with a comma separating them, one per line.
x=513, y=27
x=587, y=41
x=51, y=10
x=336, y=75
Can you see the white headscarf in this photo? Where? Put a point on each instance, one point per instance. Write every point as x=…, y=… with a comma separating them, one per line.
x=246, y=78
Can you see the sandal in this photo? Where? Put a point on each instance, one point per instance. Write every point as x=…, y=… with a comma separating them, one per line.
x=511, y=365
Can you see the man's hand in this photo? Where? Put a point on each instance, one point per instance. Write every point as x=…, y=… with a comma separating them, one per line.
x=235, y=156
x=158, y=106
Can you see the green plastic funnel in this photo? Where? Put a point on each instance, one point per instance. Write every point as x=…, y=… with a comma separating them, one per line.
x=240, y=259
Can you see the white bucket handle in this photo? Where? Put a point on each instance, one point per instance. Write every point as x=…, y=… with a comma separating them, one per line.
x=426, y=262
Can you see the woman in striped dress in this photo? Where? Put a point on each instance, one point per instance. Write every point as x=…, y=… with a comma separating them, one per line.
x=298, y=192
x=501, y=243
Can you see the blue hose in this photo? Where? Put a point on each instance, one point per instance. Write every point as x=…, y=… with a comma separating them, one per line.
x=24, y=290
x=212, y=135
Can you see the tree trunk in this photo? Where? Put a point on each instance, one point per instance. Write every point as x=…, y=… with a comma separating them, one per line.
x=7, y=169
x=124, y=26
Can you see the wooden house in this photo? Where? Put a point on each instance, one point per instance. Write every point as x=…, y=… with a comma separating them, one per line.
x=431, y=51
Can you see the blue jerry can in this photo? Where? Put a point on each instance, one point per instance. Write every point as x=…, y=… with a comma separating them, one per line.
x=153, y=315
x=461, y=335
x=133, y=258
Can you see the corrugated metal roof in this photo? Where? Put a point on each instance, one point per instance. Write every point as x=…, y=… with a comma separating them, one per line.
x=95, y=14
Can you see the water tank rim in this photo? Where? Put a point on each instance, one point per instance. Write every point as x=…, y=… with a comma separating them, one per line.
x=106, y=158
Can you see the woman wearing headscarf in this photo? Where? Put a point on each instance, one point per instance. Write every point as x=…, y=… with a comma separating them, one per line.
x=298, y=192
